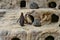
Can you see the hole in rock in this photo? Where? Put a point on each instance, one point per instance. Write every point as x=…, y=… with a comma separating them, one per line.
x=54, y=18
x=2, y=13
x=49, y=38
x=15, y=38
x=52, y=4
x=34, y=5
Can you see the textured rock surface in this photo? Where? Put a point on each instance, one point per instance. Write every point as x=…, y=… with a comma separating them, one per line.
x=9, y=28
x=15, y=4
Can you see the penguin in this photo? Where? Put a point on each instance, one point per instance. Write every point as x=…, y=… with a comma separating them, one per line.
x=29, y=19
x=21, y=20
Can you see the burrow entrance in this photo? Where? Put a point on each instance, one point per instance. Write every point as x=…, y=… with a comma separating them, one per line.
x=22, y=3
x=54, y=18
x=15, y=38
x=52, y=4
x=49, y=38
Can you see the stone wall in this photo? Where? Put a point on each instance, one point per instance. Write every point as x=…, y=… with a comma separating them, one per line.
x=11, y=30
x=30, y=34
x=13, y=4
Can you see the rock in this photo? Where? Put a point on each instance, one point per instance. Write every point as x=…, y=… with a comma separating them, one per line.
x=52, y=4
x=36, y=22
x=34, y=5
x=3, y=33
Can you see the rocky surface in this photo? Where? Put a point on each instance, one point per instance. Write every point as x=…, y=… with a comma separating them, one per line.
x=15, y=4
x=10, y=28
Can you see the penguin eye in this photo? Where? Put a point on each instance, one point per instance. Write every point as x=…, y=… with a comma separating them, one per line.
x=49, y=38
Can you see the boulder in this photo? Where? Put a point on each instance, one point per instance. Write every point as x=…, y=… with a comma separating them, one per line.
x=34, y=5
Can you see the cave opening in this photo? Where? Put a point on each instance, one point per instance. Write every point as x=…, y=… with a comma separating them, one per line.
x=49, y=38
x=54, y=18
x=32, y=18
x=22, y=3
x=15, y=38
x=52, y=4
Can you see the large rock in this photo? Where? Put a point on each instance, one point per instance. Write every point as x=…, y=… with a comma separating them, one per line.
x=36, y=22
x=34, y=5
